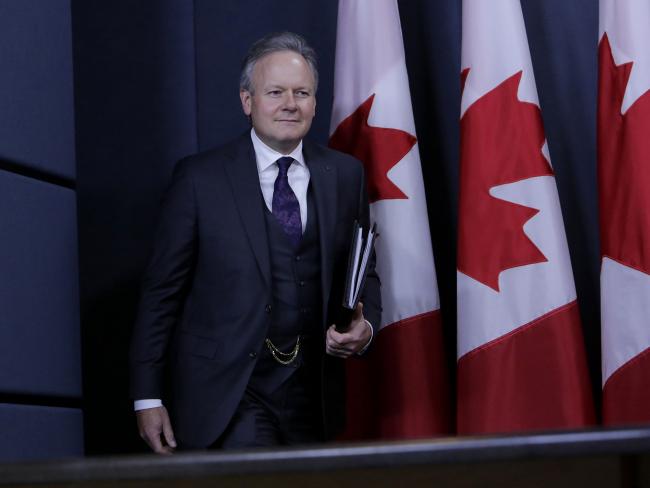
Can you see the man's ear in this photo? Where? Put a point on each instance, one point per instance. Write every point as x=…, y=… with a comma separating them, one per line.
x=245, y=97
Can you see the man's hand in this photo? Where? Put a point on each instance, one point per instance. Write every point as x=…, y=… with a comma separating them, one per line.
x=151, y=423
x=345, y=344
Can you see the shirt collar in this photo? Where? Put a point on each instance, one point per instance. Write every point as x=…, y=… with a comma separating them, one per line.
x=266, y=156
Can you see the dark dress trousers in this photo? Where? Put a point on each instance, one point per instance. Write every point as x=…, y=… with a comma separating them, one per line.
x=212, y=293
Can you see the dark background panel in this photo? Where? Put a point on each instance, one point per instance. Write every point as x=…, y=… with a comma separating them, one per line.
x=563, y=38
x=36, y=110
x=40, y=346
x=31, y=433
x=135, y=114
x=39, y=300
x=224, y=32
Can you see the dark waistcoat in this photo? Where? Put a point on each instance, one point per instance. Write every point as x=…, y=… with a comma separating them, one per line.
x=296, y=309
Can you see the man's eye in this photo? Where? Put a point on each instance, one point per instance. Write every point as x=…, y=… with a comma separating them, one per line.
x=275, y=93
x=302, y=93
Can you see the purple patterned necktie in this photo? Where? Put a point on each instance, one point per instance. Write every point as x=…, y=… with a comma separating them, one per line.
x=286, y=209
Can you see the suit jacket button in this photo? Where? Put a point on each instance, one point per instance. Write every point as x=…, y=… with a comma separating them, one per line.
x=268, y=309
x=252, y=354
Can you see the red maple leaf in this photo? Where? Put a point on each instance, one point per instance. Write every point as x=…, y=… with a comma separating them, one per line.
x=502, y=139
x=378, y=148
x=623, y=166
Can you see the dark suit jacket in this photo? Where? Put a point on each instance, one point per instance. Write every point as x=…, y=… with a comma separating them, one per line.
x=206, y=295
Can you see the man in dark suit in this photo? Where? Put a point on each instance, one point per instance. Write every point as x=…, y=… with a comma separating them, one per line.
x=247, y=273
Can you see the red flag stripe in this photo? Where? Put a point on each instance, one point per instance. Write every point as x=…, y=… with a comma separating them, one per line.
x=529, y=379
x=393, y=392
x=626, y=394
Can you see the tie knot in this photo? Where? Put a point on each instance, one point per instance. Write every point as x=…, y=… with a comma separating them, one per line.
x=284, y=163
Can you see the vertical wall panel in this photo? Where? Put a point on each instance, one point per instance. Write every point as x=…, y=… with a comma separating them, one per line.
x=39, y=303
x=36, y=117
x=30, y=433
x=40, y=357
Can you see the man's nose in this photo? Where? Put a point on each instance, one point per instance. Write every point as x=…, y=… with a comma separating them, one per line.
x=290, y=102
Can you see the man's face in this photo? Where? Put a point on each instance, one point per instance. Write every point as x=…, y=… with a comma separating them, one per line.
x=283, y=103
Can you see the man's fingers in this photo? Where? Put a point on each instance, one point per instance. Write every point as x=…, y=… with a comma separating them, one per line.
x=358, y=312
x=336, y=344
x=340, y=350
x=341, y=339
x=168, y=431
x=345, y=344
x=152, y=423
x=335, y=337
x=153, y=439
x=155, y=443
x=340, y=353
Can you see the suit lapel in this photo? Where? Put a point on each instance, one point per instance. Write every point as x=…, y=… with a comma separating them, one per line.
x=245, y=185
x=323, y=177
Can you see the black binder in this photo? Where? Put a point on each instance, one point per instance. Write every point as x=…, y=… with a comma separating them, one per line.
x=361, y=248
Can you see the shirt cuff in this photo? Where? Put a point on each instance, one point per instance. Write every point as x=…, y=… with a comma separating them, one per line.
x=372, y=333
x=148, y=403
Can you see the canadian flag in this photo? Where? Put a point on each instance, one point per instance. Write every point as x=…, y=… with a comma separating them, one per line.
x=521, y=358
x=401, y=390
x=624, y=191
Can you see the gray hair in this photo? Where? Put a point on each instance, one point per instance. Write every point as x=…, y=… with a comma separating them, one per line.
x=271, y=43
